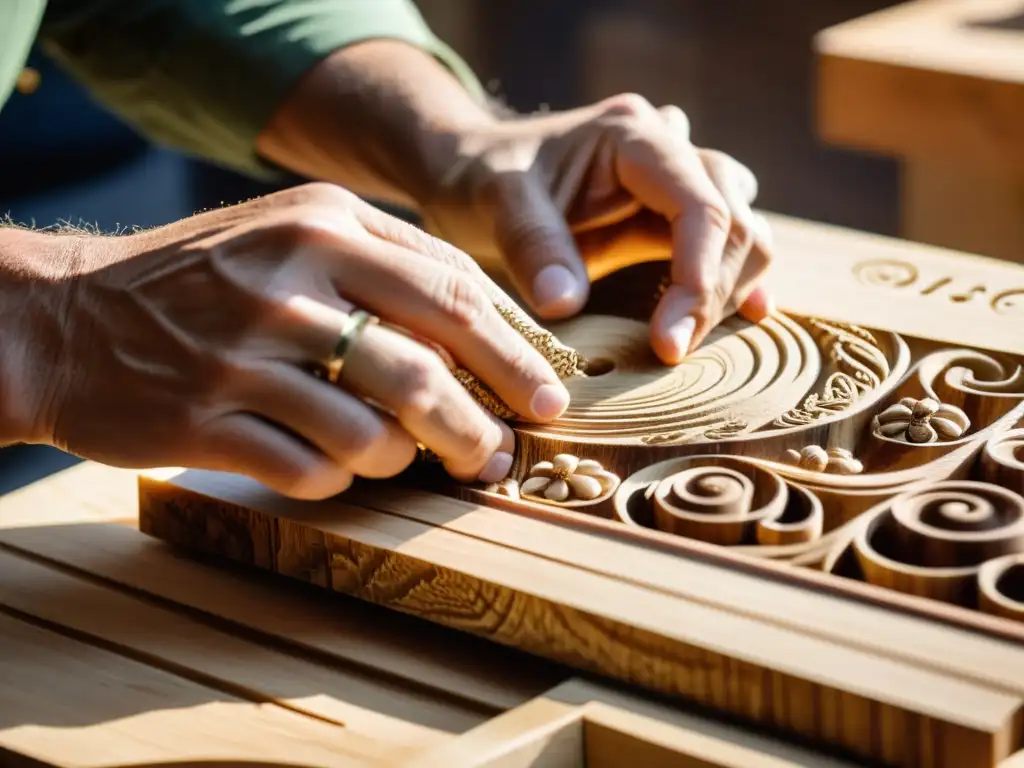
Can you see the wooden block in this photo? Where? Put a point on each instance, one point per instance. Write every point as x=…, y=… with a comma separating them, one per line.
x=940, y=85
x=581, y=724
x=815, y=524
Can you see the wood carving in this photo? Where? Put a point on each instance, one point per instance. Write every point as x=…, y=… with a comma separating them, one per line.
x=854, y=452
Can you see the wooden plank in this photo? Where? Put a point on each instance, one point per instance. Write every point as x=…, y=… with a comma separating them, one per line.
x=401, y=717
x=875, y=706
x=69, y=704
x=111, y=496
x=348, y=630
x=584, y=724
x=968, y=655
x=824, y=271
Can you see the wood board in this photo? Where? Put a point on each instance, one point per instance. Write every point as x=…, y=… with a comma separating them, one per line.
x=119, y=651
x=815, y=525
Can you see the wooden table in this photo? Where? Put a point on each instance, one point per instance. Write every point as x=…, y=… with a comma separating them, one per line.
x=115, y=650
x=119, y=651
x=940, y=85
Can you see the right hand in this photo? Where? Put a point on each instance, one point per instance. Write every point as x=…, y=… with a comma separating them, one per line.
x=185, y=346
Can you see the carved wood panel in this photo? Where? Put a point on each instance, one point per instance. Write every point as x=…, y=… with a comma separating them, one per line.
x=868, y=454
x=815, y=524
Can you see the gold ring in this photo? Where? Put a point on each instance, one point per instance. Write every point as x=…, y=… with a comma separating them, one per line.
x=350, y=331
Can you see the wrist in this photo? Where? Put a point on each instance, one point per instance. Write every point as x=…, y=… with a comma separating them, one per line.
x=382, y=117
x=34, y=297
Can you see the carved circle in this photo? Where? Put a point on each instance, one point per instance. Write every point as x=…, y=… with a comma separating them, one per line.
x=933, y=541
x=1003, y=460
x=886, y=273
x=738, y=380
x=1001, y=587
x=721, y=500
x=1009, y=302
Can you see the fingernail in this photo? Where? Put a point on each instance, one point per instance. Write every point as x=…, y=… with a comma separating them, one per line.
x=497, y=468
x=550, y=401
x=681, y=334
x=556, y=290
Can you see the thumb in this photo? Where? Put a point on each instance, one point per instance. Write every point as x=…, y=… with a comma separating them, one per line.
x=539, y=250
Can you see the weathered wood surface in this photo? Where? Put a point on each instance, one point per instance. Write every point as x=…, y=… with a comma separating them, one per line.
x=940, y=85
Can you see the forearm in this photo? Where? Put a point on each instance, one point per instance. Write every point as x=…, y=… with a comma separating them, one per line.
x=33, y=271
x=380, y=117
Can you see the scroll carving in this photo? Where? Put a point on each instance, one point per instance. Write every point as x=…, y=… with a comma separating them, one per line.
x=830, y=446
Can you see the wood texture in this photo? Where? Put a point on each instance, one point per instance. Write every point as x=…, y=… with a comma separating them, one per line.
x=118, y=652
x=939, y=84
x=845, y=489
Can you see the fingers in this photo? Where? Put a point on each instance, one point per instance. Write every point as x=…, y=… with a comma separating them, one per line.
x=414, y=384
x=746, y=258
x=539, y=249
x=242, y=443
x=349, y=432
x=665, y=173
x=451, y=308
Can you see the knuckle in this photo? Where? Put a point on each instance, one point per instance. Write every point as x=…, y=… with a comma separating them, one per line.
x=418, y=384
x=462, y=300
x=717, y=214
x=628, y=105
x=323, y=193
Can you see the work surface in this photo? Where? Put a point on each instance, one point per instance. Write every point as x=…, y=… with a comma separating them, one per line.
x=117, y=650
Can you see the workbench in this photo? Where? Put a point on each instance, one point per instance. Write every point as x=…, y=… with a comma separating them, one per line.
x=118, y=649
x=938, y=84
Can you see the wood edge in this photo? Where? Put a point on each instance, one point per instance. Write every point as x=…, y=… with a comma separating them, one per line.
x=862, y=592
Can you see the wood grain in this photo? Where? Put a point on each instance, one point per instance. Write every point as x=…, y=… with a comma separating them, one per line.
x=348, y=631
x=596, y=622
x=58, y=698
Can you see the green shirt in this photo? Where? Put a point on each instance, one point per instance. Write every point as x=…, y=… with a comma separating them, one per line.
x=203, y=76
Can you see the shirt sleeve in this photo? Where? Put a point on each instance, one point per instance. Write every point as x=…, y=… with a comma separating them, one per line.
x=205, y=76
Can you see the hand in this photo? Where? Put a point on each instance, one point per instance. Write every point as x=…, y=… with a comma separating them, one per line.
x=185, y=346
x=549, y=192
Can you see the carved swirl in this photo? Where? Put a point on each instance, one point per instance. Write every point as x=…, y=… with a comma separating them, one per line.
x=1002, y=462
x=933, y=541
x=1001, y=587
x=886, y=273
x=721, y=500
x=1009, y=303
x=739, y=379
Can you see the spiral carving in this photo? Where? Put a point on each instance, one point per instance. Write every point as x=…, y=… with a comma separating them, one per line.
x=886, y=273
x=721, y=500
x=933, y=541
x=1002, y=462
x=1001, y=587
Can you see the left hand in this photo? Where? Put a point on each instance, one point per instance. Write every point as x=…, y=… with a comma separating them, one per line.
x=548, y=191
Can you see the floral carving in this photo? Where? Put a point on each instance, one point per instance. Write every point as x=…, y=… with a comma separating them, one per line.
x=814, y=458
x=921, y=421
x=568, y=478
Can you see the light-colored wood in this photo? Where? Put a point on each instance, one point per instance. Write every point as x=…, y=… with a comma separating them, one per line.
x=592, y=620
x=371, y=705
x=349, y=632
x=582, y=724
x=940, y=85
x=71, y=705
x=841, y=483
